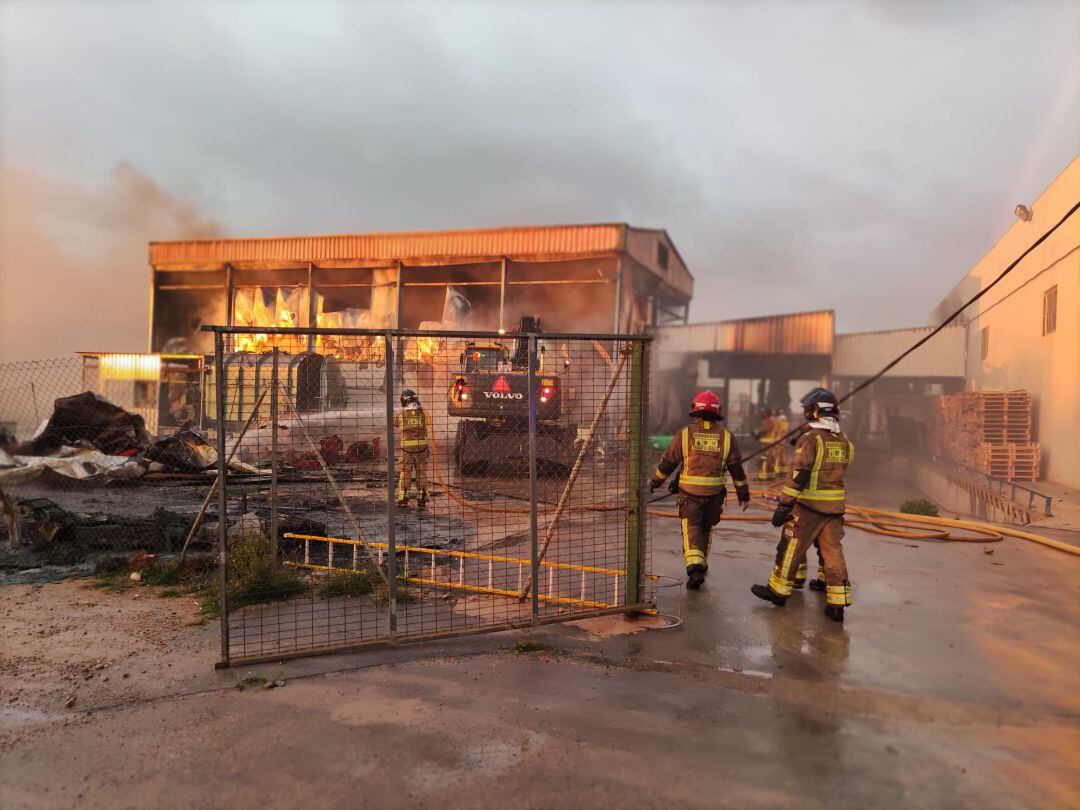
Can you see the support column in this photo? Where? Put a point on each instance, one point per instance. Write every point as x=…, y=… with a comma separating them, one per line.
x=153, y=297
x=313, y=304
x=618, y=297
x=274, y=458
x=223, y=505
x=534, y=537
x=228, y=295
x=635, y=478
x=502, y=293
x=391, y=499
x=399, y=355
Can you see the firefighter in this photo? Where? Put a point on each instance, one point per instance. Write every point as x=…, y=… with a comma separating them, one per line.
x=779, y=433
x=413, y=460
x=705, y=449
x=763, y=433
x=811, y=508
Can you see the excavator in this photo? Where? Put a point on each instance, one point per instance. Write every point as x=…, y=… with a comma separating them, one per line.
x=490, y=395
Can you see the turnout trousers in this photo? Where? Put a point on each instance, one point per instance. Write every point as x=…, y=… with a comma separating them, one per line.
x=805, y=529
x=413, y=466
x=697, y=516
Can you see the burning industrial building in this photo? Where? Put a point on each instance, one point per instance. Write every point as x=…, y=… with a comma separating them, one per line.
x=577, y=278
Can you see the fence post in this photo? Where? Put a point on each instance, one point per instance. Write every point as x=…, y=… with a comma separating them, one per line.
x=534, y=544
x=274, y=550
x=391, y=500
x=635, y=500
x=223, y=554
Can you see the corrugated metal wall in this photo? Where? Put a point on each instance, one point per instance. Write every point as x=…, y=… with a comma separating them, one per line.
x=488, y=242
x=864, y=353
x=797, y=333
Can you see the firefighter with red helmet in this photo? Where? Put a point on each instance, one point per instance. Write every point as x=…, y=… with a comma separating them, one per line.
x=811, y=509
x=705, y=449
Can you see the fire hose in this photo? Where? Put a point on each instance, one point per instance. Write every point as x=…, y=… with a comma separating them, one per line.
x=903, y=525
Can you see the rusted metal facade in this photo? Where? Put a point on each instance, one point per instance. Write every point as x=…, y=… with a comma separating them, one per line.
x=797, y=333
x=623, y=278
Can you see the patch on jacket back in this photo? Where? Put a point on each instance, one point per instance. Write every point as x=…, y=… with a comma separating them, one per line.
x=707, y=442
x=836, y=452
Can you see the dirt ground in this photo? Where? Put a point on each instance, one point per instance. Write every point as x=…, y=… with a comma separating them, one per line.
x=952, y=684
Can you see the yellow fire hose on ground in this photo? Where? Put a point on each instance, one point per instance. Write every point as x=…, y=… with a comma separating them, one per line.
x=907, y=526
x=873, y=521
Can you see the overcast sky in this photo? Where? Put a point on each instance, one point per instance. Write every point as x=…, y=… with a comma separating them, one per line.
x=854, y=156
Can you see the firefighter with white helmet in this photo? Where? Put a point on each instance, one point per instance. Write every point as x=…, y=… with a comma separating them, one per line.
x=705, y=449
x=413, y=459
x=811, y=509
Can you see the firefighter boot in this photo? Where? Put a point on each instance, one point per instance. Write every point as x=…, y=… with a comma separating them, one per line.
x=421, y=500
x=800, y=577
x=695, y=577
x=817, y=584
x=834, y=612
x=766, y=593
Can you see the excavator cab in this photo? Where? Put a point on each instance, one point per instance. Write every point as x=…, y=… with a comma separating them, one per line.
x=484, y=357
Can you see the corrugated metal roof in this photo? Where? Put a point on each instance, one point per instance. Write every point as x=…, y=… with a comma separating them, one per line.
x=493, y=242
x=796, y=333
x=864, y=353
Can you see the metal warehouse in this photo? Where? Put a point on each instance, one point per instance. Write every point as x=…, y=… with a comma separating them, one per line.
x=603, y=278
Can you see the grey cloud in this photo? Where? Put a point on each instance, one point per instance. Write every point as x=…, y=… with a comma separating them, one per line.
x=801, y=155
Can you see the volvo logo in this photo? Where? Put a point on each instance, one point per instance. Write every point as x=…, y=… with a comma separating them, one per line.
x=494, y=395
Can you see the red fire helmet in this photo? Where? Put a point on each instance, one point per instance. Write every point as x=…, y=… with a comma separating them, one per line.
x=706, y=402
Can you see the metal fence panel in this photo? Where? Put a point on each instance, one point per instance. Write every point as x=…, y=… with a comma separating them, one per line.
x=502, y=498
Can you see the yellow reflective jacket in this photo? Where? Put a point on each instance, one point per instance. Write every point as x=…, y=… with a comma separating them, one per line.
x=414, y=430
x=817, y=471
x=706, y=450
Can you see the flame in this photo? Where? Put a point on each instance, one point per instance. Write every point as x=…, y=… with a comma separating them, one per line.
x=255, y=306
x=426, y=349
x=130, y=366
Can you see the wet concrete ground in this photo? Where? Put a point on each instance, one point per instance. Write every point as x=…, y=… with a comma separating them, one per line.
x=952, y=684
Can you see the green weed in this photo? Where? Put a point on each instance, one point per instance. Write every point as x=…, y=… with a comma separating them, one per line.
x=919, y=506
x=349, y=583
x=526, y=647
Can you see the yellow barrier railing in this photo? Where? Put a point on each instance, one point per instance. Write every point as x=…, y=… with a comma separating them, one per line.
x=430, y=568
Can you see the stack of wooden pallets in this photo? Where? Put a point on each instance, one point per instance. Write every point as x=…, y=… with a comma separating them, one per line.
x=989, y=431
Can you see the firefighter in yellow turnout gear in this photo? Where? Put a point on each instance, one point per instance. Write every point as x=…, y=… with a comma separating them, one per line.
x=412, y=423
x=811, y=509
x=765, y=432
x=705, y=450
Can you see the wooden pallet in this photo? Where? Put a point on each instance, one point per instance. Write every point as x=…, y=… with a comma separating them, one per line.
x=988, y=431
x=1012, y=462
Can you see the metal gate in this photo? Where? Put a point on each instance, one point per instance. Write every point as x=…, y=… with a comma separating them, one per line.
x=511, y=495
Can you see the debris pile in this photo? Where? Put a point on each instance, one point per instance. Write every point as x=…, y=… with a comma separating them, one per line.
x=88, y=437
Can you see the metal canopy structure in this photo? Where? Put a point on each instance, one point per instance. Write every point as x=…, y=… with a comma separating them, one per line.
x=622, y=278
x=734, y=355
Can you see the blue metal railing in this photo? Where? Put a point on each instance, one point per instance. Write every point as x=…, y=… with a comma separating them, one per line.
x=999, y=485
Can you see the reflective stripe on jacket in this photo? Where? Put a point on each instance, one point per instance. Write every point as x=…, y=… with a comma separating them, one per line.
x=817, y=471
x=706, y=450
x=414, y=430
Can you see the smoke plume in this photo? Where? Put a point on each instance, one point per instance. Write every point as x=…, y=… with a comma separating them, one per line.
x=73, y=259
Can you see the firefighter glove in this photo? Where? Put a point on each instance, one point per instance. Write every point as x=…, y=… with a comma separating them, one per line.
x=673, y=485
x=781, y=516
x=654, y=485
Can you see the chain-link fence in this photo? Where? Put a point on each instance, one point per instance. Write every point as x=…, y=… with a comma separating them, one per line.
x=100, y=455
x=393, y=485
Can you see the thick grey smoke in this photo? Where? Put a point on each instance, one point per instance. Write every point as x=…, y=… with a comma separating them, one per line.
x=856, y=156
x=73, y=270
